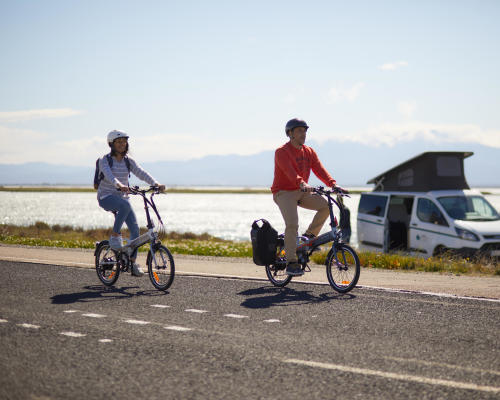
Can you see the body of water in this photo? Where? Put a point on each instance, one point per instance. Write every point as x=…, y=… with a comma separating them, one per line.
x=228, y=216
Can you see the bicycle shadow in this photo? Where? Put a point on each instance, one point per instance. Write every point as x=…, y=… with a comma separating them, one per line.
x=282, y=297
x=103, y=293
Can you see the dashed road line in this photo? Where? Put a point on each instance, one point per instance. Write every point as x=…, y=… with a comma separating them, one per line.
x=194, y=310
x=392, y=375
x=160, y=306
x=71, y=311
x=136, y=322
x=271, y=320
x=178, y=328
x=235, y=316
x=105, y=340
x=73, y=334
x=94, y=315
x=3, y=320
x=29, y=326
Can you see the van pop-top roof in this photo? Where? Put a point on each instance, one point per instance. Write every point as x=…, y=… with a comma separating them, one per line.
x=432, y=170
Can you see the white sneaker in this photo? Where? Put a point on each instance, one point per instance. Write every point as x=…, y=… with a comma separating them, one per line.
x=136, y=270
x=115, y=242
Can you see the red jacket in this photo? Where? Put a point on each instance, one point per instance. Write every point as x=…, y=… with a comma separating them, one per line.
x=293, y=166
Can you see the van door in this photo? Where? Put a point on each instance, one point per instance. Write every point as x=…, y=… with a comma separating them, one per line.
x=398, y=220
x=429, y=228
x=371, y=222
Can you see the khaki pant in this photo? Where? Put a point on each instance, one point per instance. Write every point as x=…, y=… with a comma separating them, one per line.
x=287, y=202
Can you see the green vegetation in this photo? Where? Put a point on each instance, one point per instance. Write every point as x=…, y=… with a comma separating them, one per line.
x=446, y=263
x=41, y=234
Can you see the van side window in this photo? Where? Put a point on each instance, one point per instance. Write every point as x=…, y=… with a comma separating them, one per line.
x=427, y=211
x=372, y=205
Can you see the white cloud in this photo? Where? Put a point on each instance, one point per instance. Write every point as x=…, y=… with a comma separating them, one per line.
x=25, y=115
x=389, y=134
x=340, y=93
x=407, y=108
x=392, y=66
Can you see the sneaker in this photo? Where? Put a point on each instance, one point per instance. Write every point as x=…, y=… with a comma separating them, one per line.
x=136, y=270
x=294, y=269
x=115, y=242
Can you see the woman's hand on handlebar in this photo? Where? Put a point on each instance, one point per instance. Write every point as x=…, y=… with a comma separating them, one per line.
x=123, y=188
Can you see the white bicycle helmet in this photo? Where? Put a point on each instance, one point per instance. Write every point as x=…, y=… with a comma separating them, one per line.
x=115, y=135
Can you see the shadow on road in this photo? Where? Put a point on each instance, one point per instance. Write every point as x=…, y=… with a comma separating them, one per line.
x=279, y=297
x=103, y=293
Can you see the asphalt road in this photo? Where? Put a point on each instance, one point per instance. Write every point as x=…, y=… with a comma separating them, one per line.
x=64, y=335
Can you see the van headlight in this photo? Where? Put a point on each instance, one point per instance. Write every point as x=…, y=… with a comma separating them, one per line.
x=467, y=235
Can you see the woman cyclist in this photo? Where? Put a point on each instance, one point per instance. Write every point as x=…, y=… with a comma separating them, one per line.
x=112, y=191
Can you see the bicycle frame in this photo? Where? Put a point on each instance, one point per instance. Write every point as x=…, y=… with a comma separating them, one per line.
x=150, y=236
x=306, y=248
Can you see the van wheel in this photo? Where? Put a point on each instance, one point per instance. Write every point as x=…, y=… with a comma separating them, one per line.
x=439, y=251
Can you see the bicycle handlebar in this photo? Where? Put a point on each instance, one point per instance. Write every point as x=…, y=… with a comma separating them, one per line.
x=334, y=190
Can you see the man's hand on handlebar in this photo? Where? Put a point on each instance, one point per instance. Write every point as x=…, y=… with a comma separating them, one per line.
x=304, y=187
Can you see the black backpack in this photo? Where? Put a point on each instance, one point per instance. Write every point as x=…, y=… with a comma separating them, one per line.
x=264, y=242
x=99, y=175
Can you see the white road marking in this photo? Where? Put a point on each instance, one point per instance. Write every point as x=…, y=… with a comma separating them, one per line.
x=235, y=316
x=29, y=326
x=94, y=315
x=392, y=375
x=3, y=320
x=271, y=320
x=194, y=310
x=105, y=340
x=136, y=322
x=160, y=306
x=71, y=311
x=73, y=334
x=177, y=328
x=451, y=366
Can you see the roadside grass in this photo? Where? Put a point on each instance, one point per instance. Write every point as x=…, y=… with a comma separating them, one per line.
x=42, y=234
x=446, y=263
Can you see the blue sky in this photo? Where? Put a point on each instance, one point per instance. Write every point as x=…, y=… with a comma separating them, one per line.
x=192, y=78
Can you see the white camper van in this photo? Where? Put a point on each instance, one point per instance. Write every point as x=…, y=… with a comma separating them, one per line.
x=425, y=206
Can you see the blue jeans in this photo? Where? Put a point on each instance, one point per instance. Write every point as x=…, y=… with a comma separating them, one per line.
x=124, y=213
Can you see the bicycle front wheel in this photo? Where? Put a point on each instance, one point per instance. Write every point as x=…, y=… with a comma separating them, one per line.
x=161, y=267
x=343, y=268
x=106, y=264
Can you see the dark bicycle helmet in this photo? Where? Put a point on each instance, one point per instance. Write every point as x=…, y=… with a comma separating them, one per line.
x=295, y=123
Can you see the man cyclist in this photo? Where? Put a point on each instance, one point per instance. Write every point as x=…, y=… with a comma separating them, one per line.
x=293, y=163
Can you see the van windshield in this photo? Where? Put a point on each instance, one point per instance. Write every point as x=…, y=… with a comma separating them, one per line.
x=469, y=208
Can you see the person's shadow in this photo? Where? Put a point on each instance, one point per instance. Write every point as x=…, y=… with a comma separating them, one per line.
x=103, y=293
x=279, y=297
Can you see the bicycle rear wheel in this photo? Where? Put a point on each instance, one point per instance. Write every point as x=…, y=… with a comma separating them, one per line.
x=342, y=268
x=276, y=273
x=106, y=263
x=161, y=267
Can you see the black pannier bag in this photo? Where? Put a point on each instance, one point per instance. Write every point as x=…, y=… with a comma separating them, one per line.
x=264, y=242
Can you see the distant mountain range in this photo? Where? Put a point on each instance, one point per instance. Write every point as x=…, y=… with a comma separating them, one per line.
x=351, y=164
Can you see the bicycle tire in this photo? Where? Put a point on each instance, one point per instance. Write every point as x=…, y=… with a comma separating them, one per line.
x=276, y=273
x=342, y=268
x=106, y=264
x=161, y=272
